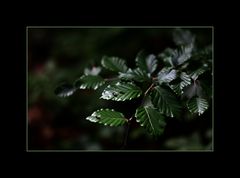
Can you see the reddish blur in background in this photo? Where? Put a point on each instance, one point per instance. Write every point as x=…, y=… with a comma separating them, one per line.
x=58, y=55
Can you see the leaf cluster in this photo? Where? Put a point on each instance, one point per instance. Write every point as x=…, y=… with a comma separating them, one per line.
x=172, y=85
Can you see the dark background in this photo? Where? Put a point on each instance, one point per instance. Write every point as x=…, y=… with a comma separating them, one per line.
x=61, y=54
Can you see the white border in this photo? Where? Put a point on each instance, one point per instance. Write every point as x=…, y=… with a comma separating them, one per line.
x=160, y=27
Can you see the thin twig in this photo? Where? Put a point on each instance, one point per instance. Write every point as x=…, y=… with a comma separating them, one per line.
x=129, y=121
x=126, y=135
x=149, y=88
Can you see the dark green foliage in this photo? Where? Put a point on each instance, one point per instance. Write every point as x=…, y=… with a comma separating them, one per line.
x=137, y=75
x=166, y=75
x=197, y=105
x=121, y=92
x=147, y=63
x=108, y=117
x=165, y=100
x=114, y=64
x=185, y=80
x=89, y=81
x=151, y=119
x=166, y=84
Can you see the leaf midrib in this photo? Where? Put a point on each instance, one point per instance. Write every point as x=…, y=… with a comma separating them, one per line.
x=149, y=119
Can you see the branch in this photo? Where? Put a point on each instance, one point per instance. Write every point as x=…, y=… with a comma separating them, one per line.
x=129, y=120
x=125, y=139
x=149, y=88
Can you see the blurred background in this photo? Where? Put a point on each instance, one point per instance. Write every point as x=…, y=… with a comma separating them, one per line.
x=57, y=55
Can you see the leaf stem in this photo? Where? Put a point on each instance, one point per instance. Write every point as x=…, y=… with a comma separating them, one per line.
x=126, y=134
x=129, y=120
x=149, y=88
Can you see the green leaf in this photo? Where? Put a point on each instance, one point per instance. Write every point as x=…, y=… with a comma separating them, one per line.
x=176, y=88
x=92, y=71
x=114, y=64
x=197, y=105
x=165, y=101
x=185, y=81
x=147, y=101
x=166, y=75
x=146, y=63
x=151, y=120
x=108, y=117
x=89, y=81
x=183, y=37
x=179, y=56
x=121, y=92
x=194, y=75
x=166, y=56
x=136, y=75
x=192, y=90
x=64, y=90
